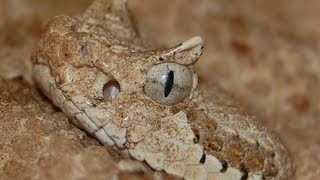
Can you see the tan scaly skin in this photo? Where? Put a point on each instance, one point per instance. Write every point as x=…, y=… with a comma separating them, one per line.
x=146, y=103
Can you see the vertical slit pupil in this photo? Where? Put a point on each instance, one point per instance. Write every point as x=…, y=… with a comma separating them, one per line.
x=169, y=83
x=203, y=159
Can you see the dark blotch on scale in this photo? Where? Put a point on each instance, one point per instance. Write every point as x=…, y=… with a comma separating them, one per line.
x=224, y=166
x=245, y=172
x=169, y=83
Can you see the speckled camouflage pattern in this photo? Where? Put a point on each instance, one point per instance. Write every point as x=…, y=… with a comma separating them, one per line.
x=184, y=135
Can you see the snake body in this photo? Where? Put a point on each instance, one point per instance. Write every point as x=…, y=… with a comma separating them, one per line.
x=146, y=103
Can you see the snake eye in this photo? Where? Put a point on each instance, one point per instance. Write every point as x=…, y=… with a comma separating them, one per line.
x=168, y=83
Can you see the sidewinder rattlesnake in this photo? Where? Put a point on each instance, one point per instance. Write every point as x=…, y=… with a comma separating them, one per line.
x=146, y=103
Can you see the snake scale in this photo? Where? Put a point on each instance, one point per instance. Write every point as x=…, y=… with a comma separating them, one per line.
x=146, y=103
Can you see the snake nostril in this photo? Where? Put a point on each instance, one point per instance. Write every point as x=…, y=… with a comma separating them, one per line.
x=111, y=90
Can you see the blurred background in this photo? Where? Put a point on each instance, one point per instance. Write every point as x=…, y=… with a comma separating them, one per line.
x=266, y=53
